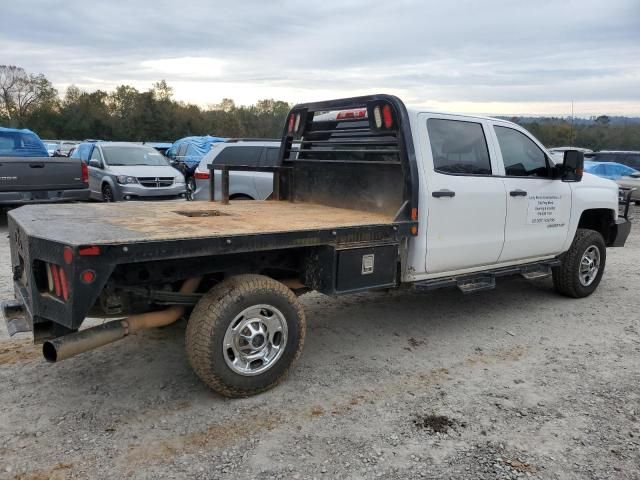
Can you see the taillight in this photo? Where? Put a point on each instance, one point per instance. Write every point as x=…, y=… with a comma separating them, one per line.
x=85, y=172
x=201, y=175
x=64, y=284
x=387, y=118
x=57, y=289
x=295, y=121
x=292, y=121
x=383, y=116
x=55, y=281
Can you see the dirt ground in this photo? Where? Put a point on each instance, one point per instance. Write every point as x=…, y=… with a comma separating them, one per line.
x=514, y=382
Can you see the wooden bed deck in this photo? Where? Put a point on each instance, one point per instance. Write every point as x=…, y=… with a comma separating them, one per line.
x=93, y=223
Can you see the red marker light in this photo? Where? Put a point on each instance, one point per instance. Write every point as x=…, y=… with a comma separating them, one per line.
x=88, y=276
x=68, y=255
x=89, y=251
x=387, y=118
x=201, y=175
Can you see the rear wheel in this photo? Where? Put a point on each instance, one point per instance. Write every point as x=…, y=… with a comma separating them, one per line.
x=191, y=188
x=244, y=335
x=582, y=266
x=107, y=194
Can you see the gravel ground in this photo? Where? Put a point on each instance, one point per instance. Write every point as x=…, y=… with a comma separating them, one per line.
x=517, y=382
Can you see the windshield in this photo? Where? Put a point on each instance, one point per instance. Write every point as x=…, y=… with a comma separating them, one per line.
x=132, y=155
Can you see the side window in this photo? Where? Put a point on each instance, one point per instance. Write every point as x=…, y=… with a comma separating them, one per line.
x=240, y=155
x=521, y=156
x=271, y=157
x=182, y=150
x=96, y=155
x=632, y=161
x=83, y=152
x=458, y=147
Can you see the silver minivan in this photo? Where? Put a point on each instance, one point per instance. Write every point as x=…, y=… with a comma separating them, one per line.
x=242, y=185
x=126, y=171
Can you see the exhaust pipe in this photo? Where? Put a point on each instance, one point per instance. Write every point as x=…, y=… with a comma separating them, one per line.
x=70, y=345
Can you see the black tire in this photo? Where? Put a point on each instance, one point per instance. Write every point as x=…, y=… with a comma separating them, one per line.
x=213, y=316
x=637, y=202
x=191, y=188
x=566, y=278
x=240, y=196
x=107, y=194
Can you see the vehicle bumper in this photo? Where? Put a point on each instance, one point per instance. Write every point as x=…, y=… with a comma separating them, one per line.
x=622, y=228
x=138, y=192
x=44, y=196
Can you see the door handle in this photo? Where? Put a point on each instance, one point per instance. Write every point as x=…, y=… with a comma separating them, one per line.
x=518, y=193
x=443, y=193
x=36, y=165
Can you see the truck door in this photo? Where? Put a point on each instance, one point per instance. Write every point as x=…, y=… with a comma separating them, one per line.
x=466, y=204
x=538, y=206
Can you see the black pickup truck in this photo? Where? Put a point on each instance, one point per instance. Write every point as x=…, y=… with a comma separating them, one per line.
x=29, y=175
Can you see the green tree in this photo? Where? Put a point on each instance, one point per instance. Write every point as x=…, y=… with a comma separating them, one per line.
x=22, y=93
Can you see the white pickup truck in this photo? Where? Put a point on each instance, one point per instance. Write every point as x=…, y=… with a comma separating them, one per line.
x=368, y=194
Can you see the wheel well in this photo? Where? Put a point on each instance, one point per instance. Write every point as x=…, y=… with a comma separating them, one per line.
x=598, y=219
x=240, y=196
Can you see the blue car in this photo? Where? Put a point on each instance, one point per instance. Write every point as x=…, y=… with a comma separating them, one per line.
x=21, y=143
x=610, y=170
x=185, y=155
x=626, y=177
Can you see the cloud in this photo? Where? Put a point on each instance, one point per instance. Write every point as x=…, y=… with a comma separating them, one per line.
x=476, y=56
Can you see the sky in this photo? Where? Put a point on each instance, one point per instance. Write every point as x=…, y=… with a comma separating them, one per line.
x=489, y=56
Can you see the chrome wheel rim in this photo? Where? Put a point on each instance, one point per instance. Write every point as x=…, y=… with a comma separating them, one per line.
x=589, y=265
x=255, y=340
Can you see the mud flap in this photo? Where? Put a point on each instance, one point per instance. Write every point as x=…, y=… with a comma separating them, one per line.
x=13, y=313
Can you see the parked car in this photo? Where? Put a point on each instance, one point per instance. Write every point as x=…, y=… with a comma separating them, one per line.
x=162, y=147
x=51, y=147
x=558, y=152
x=126, y=171
x=29, y=175
x=628, y=158
x=623, y=175
x=242, y=185
x=185, y=155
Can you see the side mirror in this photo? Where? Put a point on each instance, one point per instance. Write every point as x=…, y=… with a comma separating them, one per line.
x=572, y=166
x=95, y=163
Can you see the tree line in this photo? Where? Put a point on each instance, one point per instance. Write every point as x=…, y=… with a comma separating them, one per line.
x=31, y=101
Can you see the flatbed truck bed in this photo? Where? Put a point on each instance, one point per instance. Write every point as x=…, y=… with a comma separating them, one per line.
x=101, y=224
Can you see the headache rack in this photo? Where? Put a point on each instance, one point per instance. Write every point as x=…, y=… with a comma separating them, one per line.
x=354, y=153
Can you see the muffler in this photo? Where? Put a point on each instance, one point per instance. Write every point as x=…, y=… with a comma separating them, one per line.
x=70, y=345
